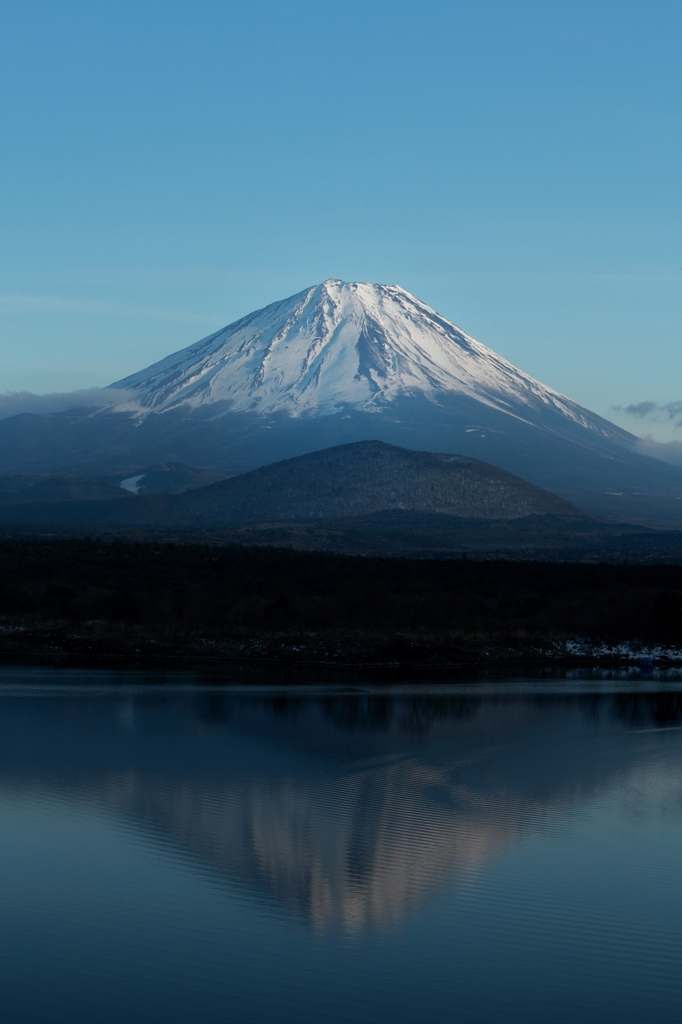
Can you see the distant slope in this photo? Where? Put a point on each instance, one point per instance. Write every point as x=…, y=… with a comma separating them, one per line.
x=167, y=478
x=22, y=489
x=345, y=481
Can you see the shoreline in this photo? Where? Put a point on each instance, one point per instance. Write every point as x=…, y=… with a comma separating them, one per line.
x=395, y=654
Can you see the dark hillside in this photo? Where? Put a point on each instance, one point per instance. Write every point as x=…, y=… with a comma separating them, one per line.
x=346, y=481
x=366, y=477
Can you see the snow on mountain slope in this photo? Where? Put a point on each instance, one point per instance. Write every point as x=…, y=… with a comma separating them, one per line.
x=340, y=363
x=342, y=346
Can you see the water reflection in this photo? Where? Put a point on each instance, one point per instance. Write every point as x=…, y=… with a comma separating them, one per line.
x=347, y=811
x=349, y=850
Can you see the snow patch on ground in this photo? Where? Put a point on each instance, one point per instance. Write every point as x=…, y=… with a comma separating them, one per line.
x=132, y=483
x=632, y=651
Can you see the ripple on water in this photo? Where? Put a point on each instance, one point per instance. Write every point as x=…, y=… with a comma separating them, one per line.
x=447, y=854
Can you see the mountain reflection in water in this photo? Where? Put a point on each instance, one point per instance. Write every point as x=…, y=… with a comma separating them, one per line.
x=348, y=812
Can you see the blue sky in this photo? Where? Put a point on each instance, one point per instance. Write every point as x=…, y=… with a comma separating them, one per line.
x=168, y=167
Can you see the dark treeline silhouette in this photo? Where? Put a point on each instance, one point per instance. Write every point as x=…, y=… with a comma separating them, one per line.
x=183, y=590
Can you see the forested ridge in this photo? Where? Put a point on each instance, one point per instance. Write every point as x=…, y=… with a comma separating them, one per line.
x=176, y=592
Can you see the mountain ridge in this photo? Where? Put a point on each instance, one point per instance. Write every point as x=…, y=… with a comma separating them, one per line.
x=340, y=363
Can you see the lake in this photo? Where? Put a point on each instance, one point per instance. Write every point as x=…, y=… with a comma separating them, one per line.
x=172, y=850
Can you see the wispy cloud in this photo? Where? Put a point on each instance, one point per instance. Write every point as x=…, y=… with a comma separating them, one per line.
x=663, y=419
x=59, y=304
x=13, y=403
x=654, y=411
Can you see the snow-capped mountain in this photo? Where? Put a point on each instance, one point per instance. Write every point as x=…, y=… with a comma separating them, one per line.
x=339, y=363
x=344, y=346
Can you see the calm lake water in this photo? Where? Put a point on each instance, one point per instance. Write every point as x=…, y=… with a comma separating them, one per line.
x=485, y=852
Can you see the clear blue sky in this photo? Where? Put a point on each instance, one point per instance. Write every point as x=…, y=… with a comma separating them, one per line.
x=168, y=167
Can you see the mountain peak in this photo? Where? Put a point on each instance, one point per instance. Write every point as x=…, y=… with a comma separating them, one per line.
x=333, y=346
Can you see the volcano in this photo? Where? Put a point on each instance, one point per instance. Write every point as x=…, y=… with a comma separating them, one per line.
x=343, y=362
